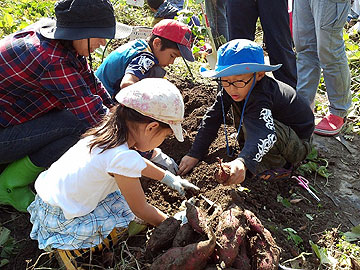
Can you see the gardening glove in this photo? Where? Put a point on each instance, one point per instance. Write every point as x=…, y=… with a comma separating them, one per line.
x=165, y=161
x=181, y=216
x=136, y=226
x=177, y=183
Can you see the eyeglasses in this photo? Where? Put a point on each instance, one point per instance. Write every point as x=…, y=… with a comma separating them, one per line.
x=237, y=84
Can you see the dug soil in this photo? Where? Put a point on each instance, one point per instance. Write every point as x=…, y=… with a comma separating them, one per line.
x=281, y=205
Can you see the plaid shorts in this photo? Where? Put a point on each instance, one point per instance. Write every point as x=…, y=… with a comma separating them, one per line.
x=52, y=229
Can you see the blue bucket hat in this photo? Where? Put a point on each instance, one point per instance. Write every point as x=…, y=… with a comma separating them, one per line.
x=238, y=56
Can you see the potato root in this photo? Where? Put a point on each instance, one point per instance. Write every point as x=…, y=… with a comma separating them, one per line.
x=222, y=173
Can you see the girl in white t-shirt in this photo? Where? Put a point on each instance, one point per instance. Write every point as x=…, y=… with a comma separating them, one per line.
x=94, y=188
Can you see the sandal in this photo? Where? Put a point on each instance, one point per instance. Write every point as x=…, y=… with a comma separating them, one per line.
x=73, y=259
x=273, y=174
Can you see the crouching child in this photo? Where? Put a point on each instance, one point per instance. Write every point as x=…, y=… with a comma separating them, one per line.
x=274, y=124
x=86, y=200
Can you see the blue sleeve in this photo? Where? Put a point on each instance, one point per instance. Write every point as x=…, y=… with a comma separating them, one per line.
x=141, y=65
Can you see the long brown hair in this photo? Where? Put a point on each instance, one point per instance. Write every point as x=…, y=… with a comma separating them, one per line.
x=113, y=131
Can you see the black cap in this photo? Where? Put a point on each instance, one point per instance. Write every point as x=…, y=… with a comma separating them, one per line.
x=81, y=19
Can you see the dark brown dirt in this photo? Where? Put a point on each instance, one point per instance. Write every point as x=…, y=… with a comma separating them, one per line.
x=338, y=208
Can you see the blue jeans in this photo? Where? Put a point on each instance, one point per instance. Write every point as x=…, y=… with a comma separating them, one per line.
x=274, y=18
x=318, y=36
x=43, y=139
x=216, y=13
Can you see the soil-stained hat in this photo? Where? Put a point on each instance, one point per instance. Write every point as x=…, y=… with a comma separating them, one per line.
x=82, y=19
x=177, y=32
x=156, y=98
x=239, y=56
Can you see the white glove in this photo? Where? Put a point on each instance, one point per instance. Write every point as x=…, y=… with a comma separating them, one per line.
x=165, y=161
x=181, y=216
x=178, y=184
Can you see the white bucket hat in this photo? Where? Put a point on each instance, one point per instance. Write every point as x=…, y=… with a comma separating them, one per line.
x=156, y=98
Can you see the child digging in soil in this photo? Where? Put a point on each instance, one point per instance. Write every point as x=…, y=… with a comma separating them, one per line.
x=93, y=191
x=141, y=59
x=276, y=123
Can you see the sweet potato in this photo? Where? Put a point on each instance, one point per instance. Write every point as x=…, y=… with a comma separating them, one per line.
x=216, y=268
x=196, y=218
x=254, y=223
x=222, y=173
x=162, y=236
x=184, y=236
x=231, y=232
x=190, y=257
x=242, y=261
x=264, y=252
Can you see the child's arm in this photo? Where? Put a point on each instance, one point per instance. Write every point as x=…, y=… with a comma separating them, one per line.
x=128, y=79
x=175, y=182
x=138, y=68
x=134, y=195
x=152, y=171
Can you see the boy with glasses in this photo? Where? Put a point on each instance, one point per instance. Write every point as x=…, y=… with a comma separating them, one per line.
x=275, y=122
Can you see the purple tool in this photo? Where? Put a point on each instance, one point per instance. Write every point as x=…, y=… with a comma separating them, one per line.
x=302, y=181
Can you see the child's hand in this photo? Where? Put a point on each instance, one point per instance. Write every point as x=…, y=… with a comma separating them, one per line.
x=186, y=164
x=179, y=184
x=237, y=172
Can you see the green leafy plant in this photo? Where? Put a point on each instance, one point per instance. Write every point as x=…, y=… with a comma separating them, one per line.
x=322, y=254
x=8, y=246
x=15, y=15
x=354, y=235
x=292, y=235
x=314, y=164
x=353, y=54
x=335, y=252
x=285, y=202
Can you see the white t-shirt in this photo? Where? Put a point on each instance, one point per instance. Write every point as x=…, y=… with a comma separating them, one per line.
x=79, y=180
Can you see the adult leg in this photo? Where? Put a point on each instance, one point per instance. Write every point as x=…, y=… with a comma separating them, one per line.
x=274, y=18
x=242, y=17
x=308, y=64
x=216, y=14
x=330, y=18
x=43, y=139
x=221, y=19
x=33, y=145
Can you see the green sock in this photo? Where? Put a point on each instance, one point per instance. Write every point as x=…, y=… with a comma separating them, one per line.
x=14, y=181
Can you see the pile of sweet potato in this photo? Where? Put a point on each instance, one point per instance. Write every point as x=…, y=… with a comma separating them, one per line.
x=240, y=241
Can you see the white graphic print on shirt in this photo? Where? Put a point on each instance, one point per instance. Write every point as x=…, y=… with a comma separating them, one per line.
x=266, y=144
x=145, y=64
